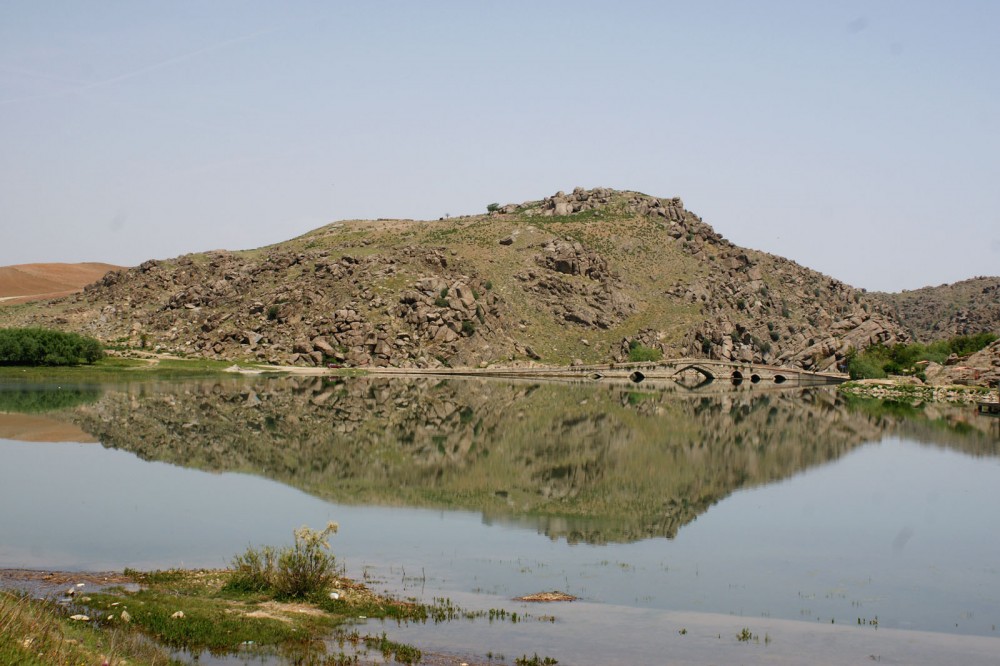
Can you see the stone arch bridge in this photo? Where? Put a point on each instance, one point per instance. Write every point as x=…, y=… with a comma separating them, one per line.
x=700, y=371
x=687, y=372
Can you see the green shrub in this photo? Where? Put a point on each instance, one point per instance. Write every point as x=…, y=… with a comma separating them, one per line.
x=860, y=367
x=272, y=313
x=441, y=302
x=300, y=570
x=42, y=346
x=879, y=360
x=492, y=208
x=964, y=345
x=640, y=353
x=253, y=571
x=468, y=326
x=306, y=567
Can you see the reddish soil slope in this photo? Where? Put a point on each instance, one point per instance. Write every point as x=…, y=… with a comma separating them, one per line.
x=33, y=282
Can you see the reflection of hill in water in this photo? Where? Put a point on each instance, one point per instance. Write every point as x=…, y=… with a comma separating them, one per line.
x=588, y=463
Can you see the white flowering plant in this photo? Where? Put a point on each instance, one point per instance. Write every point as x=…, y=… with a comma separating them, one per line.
x=300, y=570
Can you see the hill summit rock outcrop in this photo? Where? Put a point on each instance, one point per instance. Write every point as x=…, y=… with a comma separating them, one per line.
x=579, y=277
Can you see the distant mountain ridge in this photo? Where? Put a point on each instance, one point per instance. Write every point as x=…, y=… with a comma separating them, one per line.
x=579, y=277
x=961, y=308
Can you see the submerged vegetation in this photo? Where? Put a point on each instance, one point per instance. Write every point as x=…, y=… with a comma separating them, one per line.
x=42, y=346
x=879, y=361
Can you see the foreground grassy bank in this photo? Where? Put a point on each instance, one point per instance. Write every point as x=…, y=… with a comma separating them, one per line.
x=41, y=632
x=167, y=612
x=289, y=605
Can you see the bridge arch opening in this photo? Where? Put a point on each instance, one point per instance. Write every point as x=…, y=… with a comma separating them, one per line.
x=637, y=376
x=754, y=378
x=737, y=377
x=779, y=379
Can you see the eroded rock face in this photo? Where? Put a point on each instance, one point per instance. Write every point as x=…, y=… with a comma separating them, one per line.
x=793, y=317
x=577, y=286
x=979, y=369
x=231, y=307
x=571, y=258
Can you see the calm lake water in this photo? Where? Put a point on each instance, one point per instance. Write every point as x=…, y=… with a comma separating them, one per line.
x=760, y=505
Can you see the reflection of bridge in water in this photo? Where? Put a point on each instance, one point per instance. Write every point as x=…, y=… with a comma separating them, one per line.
x=687, y=372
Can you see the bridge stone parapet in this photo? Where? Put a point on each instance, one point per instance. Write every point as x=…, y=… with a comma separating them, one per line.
x=709, y=370
x=688, y=372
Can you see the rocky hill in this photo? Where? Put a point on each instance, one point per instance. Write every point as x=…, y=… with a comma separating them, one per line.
x=936, y=313
x=573, y=277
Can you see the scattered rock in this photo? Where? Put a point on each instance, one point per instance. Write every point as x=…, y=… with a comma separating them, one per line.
x=544, y=597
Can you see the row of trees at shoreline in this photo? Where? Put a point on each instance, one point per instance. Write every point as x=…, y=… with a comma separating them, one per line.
x=42, y=346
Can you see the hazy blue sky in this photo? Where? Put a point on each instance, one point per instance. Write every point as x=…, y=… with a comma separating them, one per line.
x=861, y=139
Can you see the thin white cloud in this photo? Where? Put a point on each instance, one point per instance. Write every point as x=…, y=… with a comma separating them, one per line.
x=78, y=86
